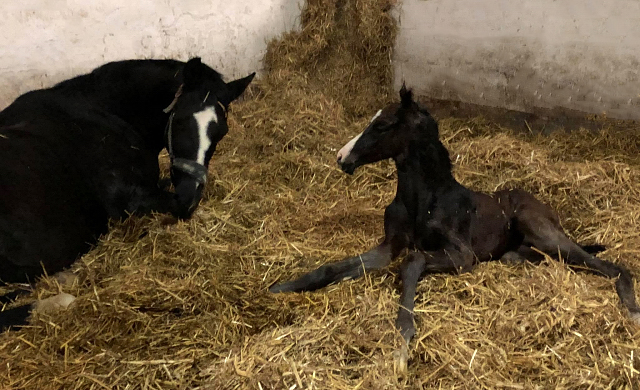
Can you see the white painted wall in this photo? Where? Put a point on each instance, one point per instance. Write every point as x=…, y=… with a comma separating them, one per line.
x=521, y=54
x=46, y=41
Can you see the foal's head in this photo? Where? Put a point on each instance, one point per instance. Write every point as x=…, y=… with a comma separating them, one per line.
x=197, y=123
x=390, y=134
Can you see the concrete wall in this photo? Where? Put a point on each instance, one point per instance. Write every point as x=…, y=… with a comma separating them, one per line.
x=522, y=54
x=46, y=41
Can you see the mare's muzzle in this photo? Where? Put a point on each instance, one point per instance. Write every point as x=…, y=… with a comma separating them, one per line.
x=189, y=179
x=195, y=170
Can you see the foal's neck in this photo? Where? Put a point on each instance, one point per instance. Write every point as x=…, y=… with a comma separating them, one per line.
x=424, y=174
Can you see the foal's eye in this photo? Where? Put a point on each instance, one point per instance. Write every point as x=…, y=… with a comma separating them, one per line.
x=381, y=127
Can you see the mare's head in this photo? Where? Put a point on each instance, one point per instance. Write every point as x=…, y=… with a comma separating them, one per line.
x=390, y=134
x=197, y=123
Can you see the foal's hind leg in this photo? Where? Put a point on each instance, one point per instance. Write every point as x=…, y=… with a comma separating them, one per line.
x=526, y=253
x=543, y=234
x=450, y=260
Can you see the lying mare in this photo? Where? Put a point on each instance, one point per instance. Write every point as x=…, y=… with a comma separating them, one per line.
x=86, y=150
x=445, y=226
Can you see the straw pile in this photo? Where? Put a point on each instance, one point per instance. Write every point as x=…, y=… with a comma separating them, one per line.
x=186, y=306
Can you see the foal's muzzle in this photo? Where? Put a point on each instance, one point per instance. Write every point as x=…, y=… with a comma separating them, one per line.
x=348, y=163
x=348, y=168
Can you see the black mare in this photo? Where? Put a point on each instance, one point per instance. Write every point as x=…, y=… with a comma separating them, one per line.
x=445, y=226
x=86, y=150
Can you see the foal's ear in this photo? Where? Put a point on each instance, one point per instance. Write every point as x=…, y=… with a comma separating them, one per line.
x=193, y=73
x=406, y=96
x=235, y=88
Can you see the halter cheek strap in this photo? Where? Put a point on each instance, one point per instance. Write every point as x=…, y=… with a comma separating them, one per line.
x=174, y=101
x=192, y=168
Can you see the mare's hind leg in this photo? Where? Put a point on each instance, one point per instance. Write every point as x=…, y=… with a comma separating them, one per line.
x=350, y=268
x=540, y=231
x=450, y=260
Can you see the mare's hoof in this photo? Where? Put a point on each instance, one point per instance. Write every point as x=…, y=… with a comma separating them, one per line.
x=66, y=278
x=169, y=220
x=512, y=257
x=60, y=301
x=401, y=360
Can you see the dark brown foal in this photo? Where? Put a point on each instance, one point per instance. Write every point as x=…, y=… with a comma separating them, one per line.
x=446, y=226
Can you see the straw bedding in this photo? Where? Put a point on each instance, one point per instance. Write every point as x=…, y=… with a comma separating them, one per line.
x=185, y=306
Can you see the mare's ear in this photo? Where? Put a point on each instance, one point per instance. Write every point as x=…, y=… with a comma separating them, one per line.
x=235, y=88
x=193, y=73
x=406, y=96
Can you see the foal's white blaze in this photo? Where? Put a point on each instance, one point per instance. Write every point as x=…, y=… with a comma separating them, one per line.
x=375, y=116
x=346, y=149
x=204, y=118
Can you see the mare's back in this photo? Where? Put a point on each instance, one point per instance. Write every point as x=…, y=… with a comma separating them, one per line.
x=50, y=151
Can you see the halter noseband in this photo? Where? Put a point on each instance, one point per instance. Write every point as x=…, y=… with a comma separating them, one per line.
x=192, y=168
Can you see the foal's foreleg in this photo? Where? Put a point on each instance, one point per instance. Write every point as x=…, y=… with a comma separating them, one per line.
x=443, y=261
x=542, y=234
x=351, y=268
x=451, y=260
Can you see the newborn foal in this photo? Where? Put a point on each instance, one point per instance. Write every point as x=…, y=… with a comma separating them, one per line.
x=446, y=226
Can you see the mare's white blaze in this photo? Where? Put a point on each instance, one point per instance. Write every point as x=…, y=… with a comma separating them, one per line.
x=60, y=301
x=204, y=118
x=346, y=149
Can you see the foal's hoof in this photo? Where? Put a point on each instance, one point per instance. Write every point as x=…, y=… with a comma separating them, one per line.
x=278, y=288
x=60, y=301
x=635, y=316
x=401, y=360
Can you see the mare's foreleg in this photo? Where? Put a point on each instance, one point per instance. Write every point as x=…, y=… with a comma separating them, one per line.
x=144, y=201
x=541, y=233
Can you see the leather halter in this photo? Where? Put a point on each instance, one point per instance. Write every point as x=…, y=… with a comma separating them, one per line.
x=192, y=168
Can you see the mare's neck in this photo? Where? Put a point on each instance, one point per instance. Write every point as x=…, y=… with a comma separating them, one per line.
x=136, y=91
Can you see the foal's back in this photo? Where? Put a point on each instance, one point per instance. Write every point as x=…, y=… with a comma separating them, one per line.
x=494, y=229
